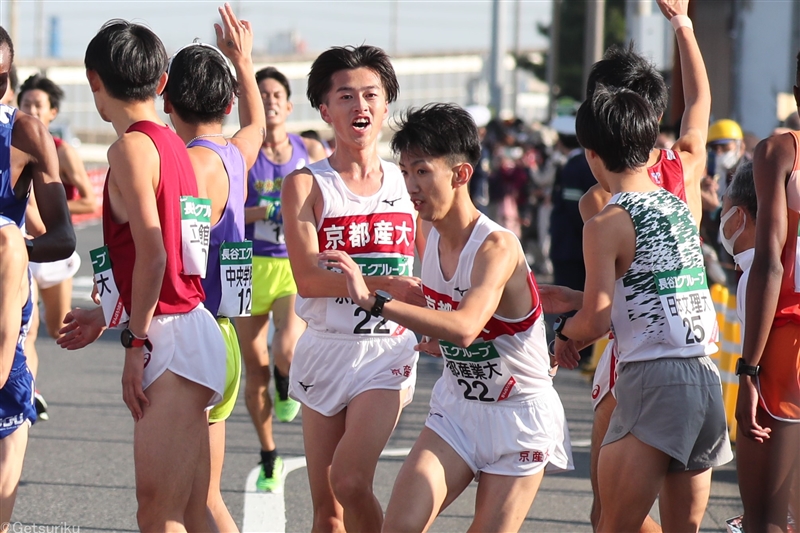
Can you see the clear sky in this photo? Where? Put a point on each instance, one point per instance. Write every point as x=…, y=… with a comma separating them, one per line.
x=423, y=26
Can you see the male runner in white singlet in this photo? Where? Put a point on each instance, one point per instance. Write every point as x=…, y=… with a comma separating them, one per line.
x=494, y=413
x=352, y=372
x=646, y=279
x=678, y=170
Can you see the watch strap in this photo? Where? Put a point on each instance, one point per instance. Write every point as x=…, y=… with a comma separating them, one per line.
x=744, y=368
x=561, y=321
x=377, y=307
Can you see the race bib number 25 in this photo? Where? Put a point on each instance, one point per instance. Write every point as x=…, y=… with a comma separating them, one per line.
x=688, y=307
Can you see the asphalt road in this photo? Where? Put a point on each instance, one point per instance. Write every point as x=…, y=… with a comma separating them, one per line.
x=78, y=473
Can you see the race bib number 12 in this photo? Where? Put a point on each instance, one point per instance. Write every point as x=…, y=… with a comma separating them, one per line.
x=236, y=276
x=195, y=234
x=113, y=310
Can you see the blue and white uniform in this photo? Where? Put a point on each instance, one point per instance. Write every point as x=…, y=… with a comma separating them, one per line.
x=16, y=396
x=11, y=207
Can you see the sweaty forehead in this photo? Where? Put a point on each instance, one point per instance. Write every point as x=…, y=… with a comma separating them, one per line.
x=5, y=59
x=357, y=78
x=271, y=85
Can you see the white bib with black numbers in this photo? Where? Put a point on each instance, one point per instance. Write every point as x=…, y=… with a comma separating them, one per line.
x=687, y=304
x=236, y=276
x=509, y=360
x=376, y=231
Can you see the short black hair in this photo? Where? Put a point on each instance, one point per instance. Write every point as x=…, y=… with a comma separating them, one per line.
x=200, y=86
x=129, y=58
x=340, y=58
x=37, y=81
x=274, y=74
x=311, y=134
x=439, y=130
x=796, y=76
x=5, y=38
x=623, y=67
x=742, y=190
x=570, y=142
x=619, y=125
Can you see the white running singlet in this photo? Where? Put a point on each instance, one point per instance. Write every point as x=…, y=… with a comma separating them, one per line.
x=509, y=360
x=377, y=231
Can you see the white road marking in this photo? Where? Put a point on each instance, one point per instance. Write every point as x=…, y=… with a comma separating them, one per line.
x=82, y=288
x=265, y=512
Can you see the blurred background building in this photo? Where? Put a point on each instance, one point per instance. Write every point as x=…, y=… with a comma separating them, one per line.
x=514, y=56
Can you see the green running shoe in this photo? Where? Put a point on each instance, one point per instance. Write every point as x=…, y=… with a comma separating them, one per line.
x=273, y=483
x=286, y=410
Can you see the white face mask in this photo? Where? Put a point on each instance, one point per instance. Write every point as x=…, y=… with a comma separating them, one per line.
x=728, y=243
x=726, y=161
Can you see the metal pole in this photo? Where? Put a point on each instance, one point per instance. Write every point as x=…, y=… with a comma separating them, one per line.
x=497, y=74
x=393, y=17
x=552, y=59
x=38, y=30
x=595, y=25
x=517, y=24
x=13, y=22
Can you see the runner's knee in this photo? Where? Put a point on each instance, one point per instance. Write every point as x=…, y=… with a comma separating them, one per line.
x=326, y=521
x=259, y=375
x=349, y=486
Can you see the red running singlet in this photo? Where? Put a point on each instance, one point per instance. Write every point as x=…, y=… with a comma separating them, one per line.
x=180, y=293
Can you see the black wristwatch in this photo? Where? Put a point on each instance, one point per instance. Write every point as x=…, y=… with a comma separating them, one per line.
x=558, y=326
x=129, y=340
x=381, y=297
x=744, y=368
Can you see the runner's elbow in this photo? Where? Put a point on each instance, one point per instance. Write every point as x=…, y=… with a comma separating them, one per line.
x=465, y=335
x=306, y=287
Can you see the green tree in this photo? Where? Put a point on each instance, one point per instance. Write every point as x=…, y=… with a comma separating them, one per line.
x=571, y=41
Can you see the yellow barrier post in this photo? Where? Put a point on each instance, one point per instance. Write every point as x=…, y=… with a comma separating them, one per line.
x=730, y=349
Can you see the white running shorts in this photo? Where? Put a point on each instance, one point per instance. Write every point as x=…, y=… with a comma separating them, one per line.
x=330, y=369
x=189, y=345
x=503, y=438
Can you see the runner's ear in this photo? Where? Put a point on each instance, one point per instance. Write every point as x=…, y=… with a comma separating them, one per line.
x=94, y=80
x=323, y=112
x=463, y=173
x=162, y=83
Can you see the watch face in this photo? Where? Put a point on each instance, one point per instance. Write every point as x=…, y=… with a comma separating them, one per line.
x=384, y=295
x=126, y=338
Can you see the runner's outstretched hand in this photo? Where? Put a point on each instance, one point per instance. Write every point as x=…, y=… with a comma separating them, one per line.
x=83, y=327
x=356, y=286
x=234, y=36
x=567, y=354
x=670, y=8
